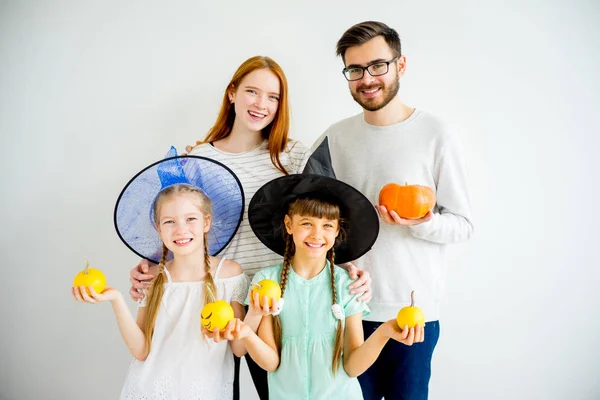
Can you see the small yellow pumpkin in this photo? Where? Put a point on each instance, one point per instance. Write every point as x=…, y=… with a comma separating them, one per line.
x=216, y=315
x=410, y=315
x=269, y=288
x=90, y=277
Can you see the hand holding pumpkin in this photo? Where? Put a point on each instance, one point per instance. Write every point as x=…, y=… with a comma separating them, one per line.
x=408, y=327
x=90, y=277
x=405, y=205
x=392, y=218
x=258, y=306
x=88, y=294
x=410, y=316
x=89, y=286
x=235, y=330
x=216, y=315
x=264, y=298
x=406, y=335
x=267, y=288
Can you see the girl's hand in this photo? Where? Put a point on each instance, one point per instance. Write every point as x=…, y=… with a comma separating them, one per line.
x=235, y=330
x=80, y=294
x=254, y=307
x=405, y=336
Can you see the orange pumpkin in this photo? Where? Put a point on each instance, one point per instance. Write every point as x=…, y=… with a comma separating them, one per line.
x=409, y=201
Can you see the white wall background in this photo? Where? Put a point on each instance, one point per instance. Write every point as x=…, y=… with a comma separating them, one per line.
x=92, y=91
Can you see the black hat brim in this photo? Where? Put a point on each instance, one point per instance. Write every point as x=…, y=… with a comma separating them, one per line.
x=269, y=206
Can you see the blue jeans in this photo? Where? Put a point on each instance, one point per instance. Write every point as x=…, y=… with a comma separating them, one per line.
x=400, y=372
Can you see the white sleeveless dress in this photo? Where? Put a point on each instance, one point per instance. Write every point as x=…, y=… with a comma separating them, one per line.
x=182, y=364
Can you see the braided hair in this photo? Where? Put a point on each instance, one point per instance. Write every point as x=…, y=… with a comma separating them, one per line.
x=320, y=209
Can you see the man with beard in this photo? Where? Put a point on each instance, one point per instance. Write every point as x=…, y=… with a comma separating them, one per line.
x=392, y=142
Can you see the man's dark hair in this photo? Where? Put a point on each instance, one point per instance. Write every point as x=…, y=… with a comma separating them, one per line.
x=365, y=31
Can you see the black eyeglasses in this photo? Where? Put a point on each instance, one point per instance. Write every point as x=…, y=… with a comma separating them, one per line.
x=377, y=69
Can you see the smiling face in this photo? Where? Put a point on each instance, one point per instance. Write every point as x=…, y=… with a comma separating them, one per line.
x=180, y=223
x=313, y=236
x=374, y=92
x=256, y=100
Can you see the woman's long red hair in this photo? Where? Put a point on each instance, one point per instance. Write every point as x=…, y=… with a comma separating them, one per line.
x=276, y=132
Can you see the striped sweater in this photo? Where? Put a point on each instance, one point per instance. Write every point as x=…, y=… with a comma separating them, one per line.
x=254, y=168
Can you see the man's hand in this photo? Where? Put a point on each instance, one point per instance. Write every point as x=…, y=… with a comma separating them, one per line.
x=362, y=283
x=141, y=276
x=391, y=217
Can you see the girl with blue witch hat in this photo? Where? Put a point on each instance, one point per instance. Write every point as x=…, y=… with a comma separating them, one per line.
x=179, y=212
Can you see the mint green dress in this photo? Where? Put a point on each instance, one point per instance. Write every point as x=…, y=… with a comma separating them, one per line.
x=308, y=338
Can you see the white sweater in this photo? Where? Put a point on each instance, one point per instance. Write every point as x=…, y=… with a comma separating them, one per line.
x=421, y=151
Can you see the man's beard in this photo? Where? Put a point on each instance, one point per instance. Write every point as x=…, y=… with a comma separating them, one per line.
x=372, y=104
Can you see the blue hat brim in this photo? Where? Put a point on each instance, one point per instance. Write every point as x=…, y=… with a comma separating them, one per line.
x=133, y=214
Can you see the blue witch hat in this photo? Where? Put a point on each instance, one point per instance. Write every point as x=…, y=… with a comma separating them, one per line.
x=133, y=216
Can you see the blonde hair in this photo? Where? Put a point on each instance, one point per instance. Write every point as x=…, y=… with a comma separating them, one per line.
x=319, y=209
x=156, y=289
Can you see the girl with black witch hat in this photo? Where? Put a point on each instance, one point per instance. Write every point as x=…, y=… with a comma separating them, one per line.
x=314, y=347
